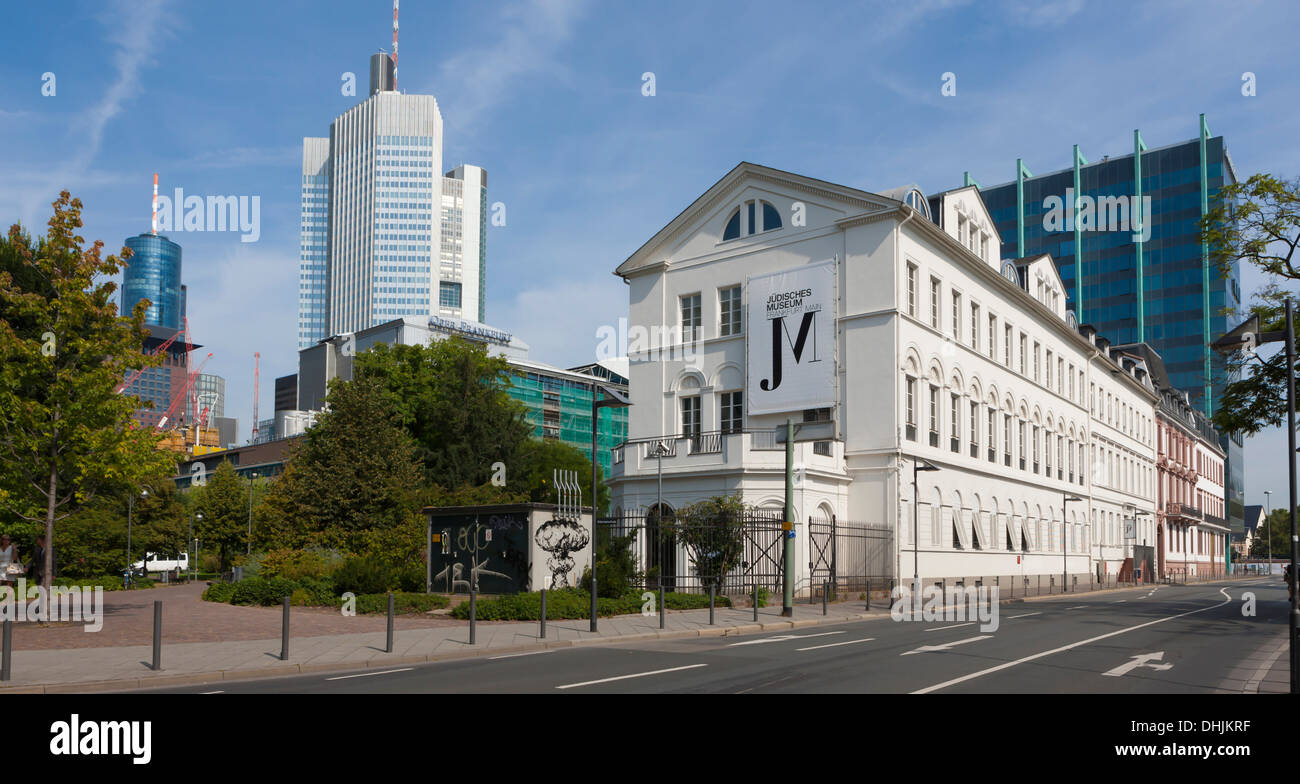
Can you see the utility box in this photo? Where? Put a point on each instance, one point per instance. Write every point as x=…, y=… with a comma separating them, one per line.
x=507, y=548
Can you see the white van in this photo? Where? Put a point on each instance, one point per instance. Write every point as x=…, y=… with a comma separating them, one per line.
x=153, y=562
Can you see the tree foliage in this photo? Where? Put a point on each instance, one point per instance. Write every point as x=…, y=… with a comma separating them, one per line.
x=1258, y=222
x=66, y=434
x=223, y=502
x=713, y=532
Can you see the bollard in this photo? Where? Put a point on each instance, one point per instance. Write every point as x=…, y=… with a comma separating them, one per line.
x=543, y=634
x=284, y=632
x=157, y=635
x=755, y=601
x=712, y=589
x=662, y=608
x=826, y=589
x=593, y=601
x=6, y=664
x=389, y=648
x=473, y=609
x=868, y=594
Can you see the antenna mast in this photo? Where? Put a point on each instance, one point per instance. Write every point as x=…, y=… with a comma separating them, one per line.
x=395, y=44
x=257, y=360
x=155, y=200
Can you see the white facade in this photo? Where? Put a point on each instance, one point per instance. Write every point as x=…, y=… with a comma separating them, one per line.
x=942, y=352
x=375, y=208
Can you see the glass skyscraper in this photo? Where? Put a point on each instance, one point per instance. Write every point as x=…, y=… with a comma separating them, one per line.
x=375, y=208
x=1134, y=218
x=154, y=273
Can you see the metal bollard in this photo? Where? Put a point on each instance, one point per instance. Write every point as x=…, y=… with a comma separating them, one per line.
x=868, y=594
x=826, y=589
x=712, y=590
x=284, y=632
x=473, y=610
x=755, y=601
x=6, y=664
x=593, y=601
x=389, y=647
x=157, y=635
x=662, y=608
x=543, y=634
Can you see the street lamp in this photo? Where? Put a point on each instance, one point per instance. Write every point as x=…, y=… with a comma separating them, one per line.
x=612, y=400
x=1246, y=336
x=1065, y=540
x=251, y=481
x=918, y=465
x=1268, y=509
x=130, y=513
x=190, y=557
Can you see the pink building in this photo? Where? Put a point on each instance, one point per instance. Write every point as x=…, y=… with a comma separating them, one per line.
x=1191, y=532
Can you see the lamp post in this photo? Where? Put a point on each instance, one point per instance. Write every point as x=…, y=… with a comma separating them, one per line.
x=1065, y=539
x=251, y=482
x=1246, y=336
x=130, y=514
x=1268, y=509
x=189, y=556
x=612, y=400
x=918, y=465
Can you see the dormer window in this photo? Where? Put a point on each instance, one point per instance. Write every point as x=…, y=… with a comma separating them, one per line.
x=745, y=220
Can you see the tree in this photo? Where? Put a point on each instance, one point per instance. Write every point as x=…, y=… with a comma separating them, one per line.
x=67, y=435
x=355, y=473
x=713, y=531
x=223, y=501
x=1277, y=528
x=1256, y=221
x=536, y=477
x=161, y=521
x=451, y=397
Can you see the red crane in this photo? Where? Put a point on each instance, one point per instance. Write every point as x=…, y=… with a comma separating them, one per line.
x=181, y=396
x=131, y=379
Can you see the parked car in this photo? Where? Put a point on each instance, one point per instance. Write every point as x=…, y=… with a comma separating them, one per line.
x=153, y=562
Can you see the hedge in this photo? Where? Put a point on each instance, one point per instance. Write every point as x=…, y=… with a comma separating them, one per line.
x=573, y=603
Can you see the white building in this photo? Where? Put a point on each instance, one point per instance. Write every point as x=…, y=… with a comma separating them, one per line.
x=384, y=234
x=915, y=342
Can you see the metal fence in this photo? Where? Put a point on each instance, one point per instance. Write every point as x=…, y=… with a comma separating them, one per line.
x=734, y=555
x=848, y=556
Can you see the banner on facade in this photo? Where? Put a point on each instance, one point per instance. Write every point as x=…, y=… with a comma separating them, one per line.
x=791, y=340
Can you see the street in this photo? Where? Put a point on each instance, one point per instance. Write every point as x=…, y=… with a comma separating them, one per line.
x=1161, y=639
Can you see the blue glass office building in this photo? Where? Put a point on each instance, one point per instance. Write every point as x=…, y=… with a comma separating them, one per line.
x=154, y=273
x=1178, y=306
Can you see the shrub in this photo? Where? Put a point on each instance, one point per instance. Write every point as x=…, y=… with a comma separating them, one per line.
x=219, y=592
x=403, y=603
x=573, y=603
x=366, y=574
x=210, y=562
x=262, y=591
x=615, y=568
x=300, y=564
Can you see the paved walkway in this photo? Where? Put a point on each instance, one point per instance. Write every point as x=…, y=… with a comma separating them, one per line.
x=127, y=666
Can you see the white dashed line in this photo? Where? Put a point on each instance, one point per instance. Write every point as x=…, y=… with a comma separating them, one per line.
x=835, y=644
x=633, y=675
x=368, y=674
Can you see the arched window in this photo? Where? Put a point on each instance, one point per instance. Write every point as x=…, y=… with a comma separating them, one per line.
x=745, y=220
x=771, y=218
x=733, y=227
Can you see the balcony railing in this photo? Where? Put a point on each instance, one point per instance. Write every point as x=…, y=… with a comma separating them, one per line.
x=1177, y=509
x=704, y=444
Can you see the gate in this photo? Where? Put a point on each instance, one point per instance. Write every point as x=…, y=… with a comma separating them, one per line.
x=686, y=557
x=848, y=555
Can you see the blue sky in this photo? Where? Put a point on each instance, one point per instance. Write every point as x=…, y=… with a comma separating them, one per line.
x=546, y=95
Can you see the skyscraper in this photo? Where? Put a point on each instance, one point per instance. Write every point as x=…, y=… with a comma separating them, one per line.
x=375, y=209
x=1136, y=219
x=154, y=273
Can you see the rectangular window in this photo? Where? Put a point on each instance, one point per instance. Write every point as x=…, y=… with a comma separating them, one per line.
x=729, y=311
x=993, y=435
x=954, y=423
x=692, y=322
x=1047, y=438
x=911, y=408
x=1021, y=426
x=975, y=326
x=732, y=415
x=449, y=295
x=974, y=429
x=1071, y=377
x=1006, y=440
x=1060, y=375
x=934, y=415
x=956, y=316
x=691, y=416
x=1036, y=363
x=911, y=290
x=934, y=302
x=1048, y=380
x=1024, y=355
x=993, y=337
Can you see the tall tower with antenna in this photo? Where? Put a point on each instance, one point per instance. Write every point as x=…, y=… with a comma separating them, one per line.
x=395, y=44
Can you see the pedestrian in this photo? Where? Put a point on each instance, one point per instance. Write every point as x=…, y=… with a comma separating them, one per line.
x=8, y=560
x=37, y=565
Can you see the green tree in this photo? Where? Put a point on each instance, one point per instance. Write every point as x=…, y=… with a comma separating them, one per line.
x=67, y=435
x=354, y=473
x=713, y=532
x=451, y=396
x=160, y=522
x=1258, y=222
x=223, y=501
x=536, y=477
x=1276, y=527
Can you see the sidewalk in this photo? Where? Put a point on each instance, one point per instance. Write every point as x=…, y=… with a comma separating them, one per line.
x=127, y=667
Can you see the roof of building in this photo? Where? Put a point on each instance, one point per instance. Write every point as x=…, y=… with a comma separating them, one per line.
x=1254, y=516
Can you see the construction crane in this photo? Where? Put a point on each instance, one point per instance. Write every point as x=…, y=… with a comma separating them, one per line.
x=181, y=396
x=132, y=378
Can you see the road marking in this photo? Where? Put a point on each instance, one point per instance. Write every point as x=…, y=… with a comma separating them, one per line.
x=945, y=646
x=782, y=638
x=219, y=691
x=368, y=674
x=633, y=675
x=1121, y=601
x=513, y=655
x=1026, y=615
x=954, y=626
x=1141, y=660
x=1077, y=607
x=835, y=644
x=1226, y=600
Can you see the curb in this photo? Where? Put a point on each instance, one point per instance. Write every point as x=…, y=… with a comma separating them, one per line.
x=285, y=670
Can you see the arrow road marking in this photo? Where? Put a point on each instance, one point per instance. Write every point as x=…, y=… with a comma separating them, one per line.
x=945, y=646
x=1141, y=660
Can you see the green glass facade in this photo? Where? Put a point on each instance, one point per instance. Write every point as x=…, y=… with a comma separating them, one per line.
x=560, y=408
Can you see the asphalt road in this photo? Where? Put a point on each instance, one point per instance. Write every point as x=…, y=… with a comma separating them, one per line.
x=1168, y=639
